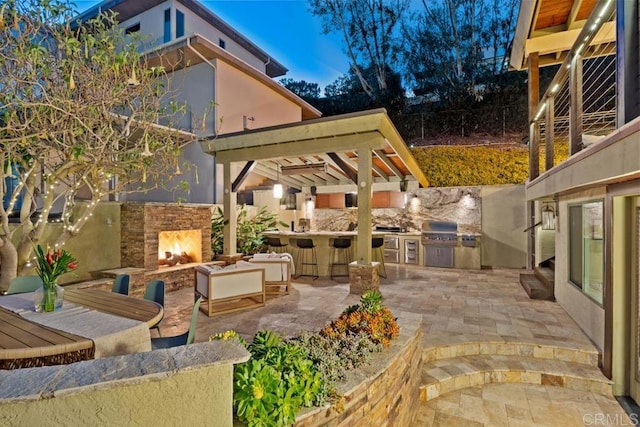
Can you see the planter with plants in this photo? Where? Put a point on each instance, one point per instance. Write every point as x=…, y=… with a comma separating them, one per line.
x=284, y=376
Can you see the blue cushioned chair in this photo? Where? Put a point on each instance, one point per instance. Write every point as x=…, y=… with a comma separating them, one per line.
x=155, y=292
x=121, y=284
x=182, y=339
x=24, y=284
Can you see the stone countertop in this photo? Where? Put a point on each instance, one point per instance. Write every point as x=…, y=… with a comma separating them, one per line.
x=321, y=233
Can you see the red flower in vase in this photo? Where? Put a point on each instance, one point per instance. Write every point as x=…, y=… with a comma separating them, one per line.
x=53, y=264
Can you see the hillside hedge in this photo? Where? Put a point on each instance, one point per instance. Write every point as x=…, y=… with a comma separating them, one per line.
x=459, y=165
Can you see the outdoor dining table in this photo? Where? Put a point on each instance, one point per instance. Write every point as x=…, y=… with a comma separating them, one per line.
x=91, y=324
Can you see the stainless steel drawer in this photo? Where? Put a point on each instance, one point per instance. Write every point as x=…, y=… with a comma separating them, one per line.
x=391, y=242
x=391, y=255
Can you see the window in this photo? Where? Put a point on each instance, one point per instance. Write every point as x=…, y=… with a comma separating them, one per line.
x=586, y=245
x=132, y=29
x=167, y=26
x=179, y=24
x=222, y=43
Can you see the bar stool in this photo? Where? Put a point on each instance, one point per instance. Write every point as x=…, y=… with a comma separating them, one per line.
x=274, y=244
x=343, y=248
x=302, y=258
x=376, y=244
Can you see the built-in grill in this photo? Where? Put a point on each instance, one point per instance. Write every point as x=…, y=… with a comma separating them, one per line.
x=439, y=239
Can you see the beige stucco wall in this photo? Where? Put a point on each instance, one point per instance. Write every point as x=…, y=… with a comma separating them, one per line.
x=588, y=314
x=239, y=94
x=504, y=244
x=203, y=397
x=177, y=386
x=97, y=247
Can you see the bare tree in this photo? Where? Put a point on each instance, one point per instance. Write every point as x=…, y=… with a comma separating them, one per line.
x=79, y=108
x=368, y=29
x=450, y=44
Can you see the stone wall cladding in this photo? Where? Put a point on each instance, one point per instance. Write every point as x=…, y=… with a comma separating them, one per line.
x=142, y=222
x=389, y=394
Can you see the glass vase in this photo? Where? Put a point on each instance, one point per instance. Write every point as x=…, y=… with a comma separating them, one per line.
x=49, y=298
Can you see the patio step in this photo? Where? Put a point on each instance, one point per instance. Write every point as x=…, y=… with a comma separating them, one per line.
x=548, y=351
x=537, y=288
x=445, y=375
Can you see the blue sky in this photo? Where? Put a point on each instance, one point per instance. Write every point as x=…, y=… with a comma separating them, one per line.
x=286, y=30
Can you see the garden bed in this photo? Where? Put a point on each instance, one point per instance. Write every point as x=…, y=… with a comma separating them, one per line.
x=383, y=392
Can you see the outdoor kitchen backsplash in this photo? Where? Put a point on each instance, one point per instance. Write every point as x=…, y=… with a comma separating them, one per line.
x=458, y=204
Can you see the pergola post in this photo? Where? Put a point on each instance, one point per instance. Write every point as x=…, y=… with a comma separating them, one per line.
x=363, y=274
x=365, y=181
x=229, y=203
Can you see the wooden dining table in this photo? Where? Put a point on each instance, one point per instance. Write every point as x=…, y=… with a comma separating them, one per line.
x=117, y=304
x=92, y=323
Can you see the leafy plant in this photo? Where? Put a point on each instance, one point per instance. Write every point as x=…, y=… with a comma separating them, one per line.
x=249, y=230
x=333, y=357
x=276, y=382
x=229, y=336
x=217, y=226
x=370, y=317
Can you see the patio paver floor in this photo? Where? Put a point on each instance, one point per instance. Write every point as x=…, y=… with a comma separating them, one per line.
x=456, y=306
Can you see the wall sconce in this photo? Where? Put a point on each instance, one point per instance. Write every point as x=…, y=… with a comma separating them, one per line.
x=549, y=215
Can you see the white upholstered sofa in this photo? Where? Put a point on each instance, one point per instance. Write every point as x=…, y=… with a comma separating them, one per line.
x=278, y=270
x=233, y=288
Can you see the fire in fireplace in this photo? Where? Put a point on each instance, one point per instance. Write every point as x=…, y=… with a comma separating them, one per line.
x=179, y=247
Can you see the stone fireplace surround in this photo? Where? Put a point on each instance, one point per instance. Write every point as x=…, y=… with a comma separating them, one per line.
x=140, y=230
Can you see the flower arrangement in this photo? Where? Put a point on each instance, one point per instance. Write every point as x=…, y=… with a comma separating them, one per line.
x=50, y=266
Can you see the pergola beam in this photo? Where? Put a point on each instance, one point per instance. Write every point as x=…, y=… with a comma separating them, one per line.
x=372, y=140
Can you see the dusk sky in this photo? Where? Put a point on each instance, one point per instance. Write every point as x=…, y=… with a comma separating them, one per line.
x=284, y=29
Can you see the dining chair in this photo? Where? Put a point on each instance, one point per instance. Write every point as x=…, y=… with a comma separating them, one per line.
x=182, y=339
x=155, y=292
x=121, y=284
x=24, y=284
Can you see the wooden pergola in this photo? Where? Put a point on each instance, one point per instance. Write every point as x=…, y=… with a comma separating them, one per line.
x=361, y=148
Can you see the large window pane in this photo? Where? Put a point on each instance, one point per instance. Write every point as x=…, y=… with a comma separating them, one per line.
x=575, y=245
x=586, y=245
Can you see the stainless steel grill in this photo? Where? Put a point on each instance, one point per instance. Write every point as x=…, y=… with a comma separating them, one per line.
x=439, y=233
x=439, y=239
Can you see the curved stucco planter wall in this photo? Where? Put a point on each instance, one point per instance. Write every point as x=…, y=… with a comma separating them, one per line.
x=162, y=387
x=194, y=384
x=386, y=392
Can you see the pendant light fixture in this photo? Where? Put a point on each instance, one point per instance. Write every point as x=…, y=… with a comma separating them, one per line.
x=277, y=187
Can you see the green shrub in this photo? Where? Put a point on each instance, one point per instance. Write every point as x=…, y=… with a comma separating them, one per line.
x=459, y=165
x=334, y=357
x=283, y=375
x=271, y=387
x=370, y=317
x=249, y=230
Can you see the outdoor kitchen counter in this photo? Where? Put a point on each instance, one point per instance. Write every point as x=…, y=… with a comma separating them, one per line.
x=322, y=241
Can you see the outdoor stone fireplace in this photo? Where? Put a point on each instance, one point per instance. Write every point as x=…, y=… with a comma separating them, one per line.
x=157, y=234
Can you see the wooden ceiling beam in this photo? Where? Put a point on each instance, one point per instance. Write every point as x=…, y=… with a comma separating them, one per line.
x=387, y=161
x=244, y=173
x=571, y=19
x=350, y=173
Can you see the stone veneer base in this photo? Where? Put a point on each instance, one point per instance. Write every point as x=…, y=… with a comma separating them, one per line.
x=363, y=277
x=386, y=392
